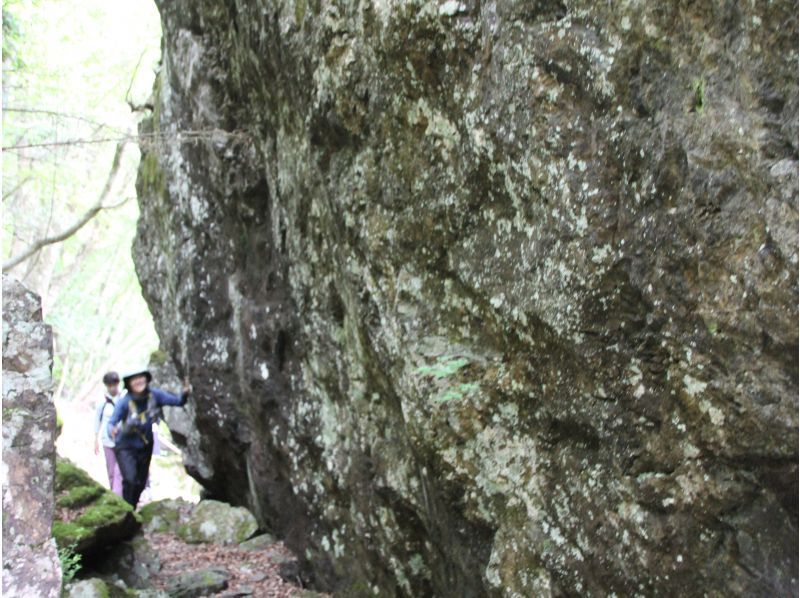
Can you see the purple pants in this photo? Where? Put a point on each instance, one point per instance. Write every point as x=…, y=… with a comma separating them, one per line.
x=114, y=474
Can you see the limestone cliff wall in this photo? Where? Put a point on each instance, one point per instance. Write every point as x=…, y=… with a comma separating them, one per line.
x=492, y=298
x=30, y=561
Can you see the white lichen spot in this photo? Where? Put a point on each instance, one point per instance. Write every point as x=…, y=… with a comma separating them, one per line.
x=716, y=415
x=451, y=8
x=600, y=254
x=693, y=386
x=208, y=528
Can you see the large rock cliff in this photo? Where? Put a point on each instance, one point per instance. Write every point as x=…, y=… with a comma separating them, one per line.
x=30, y=560
x=492, y=298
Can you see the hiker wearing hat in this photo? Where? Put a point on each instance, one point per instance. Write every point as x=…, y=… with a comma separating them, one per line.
x=102, y=415
x=131, y=427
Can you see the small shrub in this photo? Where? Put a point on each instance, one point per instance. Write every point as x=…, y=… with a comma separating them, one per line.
x=70, y=563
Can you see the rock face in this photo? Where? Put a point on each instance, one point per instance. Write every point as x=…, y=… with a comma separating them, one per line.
x=488, y=298
x=30, y=561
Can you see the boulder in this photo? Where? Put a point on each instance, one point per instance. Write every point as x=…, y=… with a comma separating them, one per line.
x=199, y=583
x=133, y=561
x=89, y=519
x=259, y=542
x=218, y=522
x=485, y=298
x=96, y=587
x=88, y=588
x=165, y=515
x=30, y=560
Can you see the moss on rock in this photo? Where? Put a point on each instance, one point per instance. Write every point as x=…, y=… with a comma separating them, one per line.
x=91, y=517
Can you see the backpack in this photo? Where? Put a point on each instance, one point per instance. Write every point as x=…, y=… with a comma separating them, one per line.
x=136, y=419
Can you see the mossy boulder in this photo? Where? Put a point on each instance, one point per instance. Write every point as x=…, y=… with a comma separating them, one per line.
x=218, y=522
x=199, y=583
x=90, y=518
x=165, y=515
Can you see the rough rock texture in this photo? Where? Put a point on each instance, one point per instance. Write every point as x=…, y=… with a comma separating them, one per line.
x=30, y=560
x=89, y=519
x=490, y=298
x=135, y=562
x=164, y=516
x=199, y=583
x=217, y=522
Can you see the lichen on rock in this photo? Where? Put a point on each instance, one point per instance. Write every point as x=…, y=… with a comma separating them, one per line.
x=30, y=561
x=487, y=298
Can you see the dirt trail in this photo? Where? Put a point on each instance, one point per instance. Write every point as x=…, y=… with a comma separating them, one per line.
x=253, y=573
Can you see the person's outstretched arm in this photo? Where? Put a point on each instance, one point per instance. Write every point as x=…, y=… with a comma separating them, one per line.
x=167, y=398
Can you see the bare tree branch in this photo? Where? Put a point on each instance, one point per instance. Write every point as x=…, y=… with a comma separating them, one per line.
x=17, y=187
x=57, y=114
x=91, y=213
x=180, y=136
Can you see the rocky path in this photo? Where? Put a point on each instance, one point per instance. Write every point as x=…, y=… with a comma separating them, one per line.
x=264, y=571
x=176, y=549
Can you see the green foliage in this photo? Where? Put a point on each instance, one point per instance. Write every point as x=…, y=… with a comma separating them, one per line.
x=444, y=366
x=456, y=393
x=11, y=38
x=70, y=563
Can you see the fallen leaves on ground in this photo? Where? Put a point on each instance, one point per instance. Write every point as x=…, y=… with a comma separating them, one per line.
x=254, y=571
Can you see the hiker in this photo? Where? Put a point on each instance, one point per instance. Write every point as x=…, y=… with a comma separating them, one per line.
x=131, y=427
x=103, y=414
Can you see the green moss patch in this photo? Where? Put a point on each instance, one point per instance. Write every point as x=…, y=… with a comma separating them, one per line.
x=88, y=517
x=80, y=496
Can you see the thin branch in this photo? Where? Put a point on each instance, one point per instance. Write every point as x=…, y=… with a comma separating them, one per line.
x=133, y=79
x=62, y=115
x=93, y=211
x=179, y=136
x=17, y=187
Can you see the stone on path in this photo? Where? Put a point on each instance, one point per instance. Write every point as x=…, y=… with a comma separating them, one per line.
x=164, y=515
x=218, y=522
x=259, y=542
x=199, y=583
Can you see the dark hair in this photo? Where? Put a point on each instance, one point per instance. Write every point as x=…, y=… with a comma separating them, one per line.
x=111, y=378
